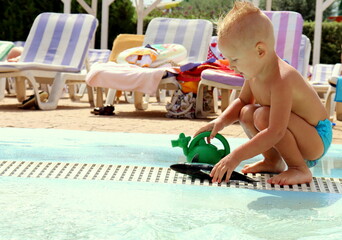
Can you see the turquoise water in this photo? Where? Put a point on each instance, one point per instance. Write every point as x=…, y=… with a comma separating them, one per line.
x=118, y=148
x=76, y=209
x=81, y=209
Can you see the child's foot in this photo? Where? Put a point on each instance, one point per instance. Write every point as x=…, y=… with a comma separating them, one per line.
x=265, y=166
x=292, y=176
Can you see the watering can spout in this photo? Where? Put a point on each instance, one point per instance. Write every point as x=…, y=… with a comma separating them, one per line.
x=182, y=142
x=175, y=143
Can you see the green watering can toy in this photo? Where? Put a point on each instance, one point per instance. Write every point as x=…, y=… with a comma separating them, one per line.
x=199, y=151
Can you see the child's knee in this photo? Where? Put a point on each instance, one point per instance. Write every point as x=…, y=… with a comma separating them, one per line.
x=261, y=118
x=246, y=114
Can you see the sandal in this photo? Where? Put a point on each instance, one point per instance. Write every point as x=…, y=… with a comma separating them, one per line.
x=105, y=110
x=30, y=102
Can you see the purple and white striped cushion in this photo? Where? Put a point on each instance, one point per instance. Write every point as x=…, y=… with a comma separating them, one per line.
x=288, y=27
x=98, y=55
x=304, y=55
x=222, y=77
x=321, y=74
x=193, y=34
x=59, y=40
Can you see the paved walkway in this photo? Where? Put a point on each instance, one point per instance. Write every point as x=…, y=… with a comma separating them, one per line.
x=77, y=116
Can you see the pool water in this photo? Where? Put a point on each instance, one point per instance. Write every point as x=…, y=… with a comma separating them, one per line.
x=84, y=209
x=67, y=209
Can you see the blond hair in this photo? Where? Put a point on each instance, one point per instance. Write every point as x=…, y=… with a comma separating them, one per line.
x=246, y=22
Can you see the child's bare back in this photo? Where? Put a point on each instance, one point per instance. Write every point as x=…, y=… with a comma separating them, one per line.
x=305, y=102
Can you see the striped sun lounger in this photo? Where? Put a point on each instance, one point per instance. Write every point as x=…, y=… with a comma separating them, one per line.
x=56, y=46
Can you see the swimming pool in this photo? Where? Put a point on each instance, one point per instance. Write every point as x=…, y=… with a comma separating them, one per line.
x=39, y=208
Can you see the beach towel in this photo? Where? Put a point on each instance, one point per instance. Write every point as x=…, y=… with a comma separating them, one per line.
x=126, y=77
x=143, y=56
x=123, y=42
x=160, y=54
x=213, y=51
x=190, y=73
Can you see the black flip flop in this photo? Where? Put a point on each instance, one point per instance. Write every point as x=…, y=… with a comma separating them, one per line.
x=105, y=110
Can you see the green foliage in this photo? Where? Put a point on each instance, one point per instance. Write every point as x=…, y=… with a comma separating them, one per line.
x=214, y=9
x=305, y=7
x=331, y=40
x=17, y=16
x=121, y=19
x=192, y=9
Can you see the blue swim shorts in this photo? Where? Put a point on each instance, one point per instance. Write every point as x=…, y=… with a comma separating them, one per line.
x=324, y=129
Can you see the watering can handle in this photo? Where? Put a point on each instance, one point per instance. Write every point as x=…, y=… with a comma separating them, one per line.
x=202, y=135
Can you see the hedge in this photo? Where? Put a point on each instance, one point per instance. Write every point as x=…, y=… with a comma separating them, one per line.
x=331, y=42
x=16, y=21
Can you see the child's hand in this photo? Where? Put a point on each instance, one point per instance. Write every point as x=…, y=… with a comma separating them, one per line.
x=225, y=165
x=214, y=127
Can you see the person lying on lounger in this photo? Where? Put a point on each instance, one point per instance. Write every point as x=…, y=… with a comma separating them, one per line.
x=14, y=54
x=278, y=109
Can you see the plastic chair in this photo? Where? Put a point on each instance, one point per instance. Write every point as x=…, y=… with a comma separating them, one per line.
x=5, y=47
x=320, y=76
x=11, y=82
x=291, y=45
x=54, y=53
x=121, y=43
x=193, y=34
x=94, y=56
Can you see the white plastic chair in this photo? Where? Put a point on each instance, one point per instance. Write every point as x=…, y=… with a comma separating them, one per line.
x=193, y=34
x=94, y=56
x=5, y=47
x=11, y=82
x=320, y=76
x=54, y=53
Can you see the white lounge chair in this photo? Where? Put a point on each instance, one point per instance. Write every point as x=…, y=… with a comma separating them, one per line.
x=5, y=47
x=94, y=56
x=54, y=53
x=193, y=34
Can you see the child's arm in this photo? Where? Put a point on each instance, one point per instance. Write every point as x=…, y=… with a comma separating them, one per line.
x=280, y=110
x=230, y=114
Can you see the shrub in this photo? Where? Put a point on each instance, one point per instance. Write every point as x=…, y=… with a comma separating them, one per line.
x=121, y=19
x=331, y=31
x=17, y=16
x=330, y=43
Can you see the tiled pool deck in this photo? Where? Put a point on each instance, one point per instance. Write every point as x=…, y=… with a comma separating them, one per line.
x=77, y=116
